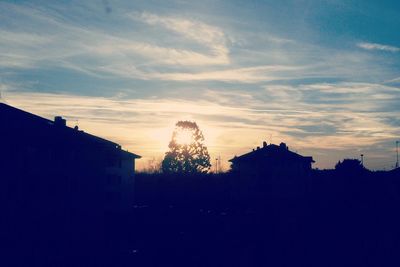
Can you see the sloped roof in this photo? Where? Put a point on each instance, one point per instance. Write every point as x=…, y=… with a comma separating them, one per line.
x=271, y=151
x=14, y=115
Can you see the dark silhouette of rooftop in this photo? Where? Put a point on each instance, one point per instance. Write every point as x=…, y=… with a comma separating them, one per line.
x=15, y=121
x=61, y=181
x=271, y=157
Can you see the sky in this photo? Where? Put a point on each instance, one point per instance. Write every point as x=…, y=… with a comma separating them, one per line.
x=321, y=76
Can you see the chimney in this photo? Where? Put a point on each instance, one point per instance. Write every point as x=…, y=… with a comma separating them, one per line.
x=264, y=144
x=59, y=121
x=283, y=146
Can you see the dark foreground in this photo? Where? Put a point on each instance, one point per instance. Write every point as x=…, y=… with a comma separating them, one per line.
x=329, y=220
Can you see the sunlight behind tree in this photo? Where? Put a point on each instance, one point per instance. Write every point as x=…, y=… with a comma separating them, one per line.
x=187, y=154
x=184, y=136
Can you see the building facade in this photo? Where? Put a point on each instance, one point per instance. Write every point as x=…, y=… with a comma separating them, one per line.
x=271, y=171
x=272, y=159
x=45, y=163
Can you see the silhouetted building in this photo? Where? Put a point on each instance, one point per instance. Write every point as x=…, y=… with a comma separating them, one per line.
x=350, y=167
x=270, y=171
x=395, y=172
x=272, y=159
x=45, y=163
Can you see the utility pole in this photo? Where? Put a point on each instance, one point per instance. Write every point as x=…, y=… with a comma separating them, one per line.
x=218, y=164
x=397, y=154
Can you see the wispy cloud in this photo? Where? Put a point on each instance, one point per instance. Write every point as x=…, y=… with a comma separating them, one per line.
x=192, y=50
x=380, y=47
x=205, y=34
x=64, y=43
x=243, y=79
x=242, y=75
x=393, y=81
x=233, y=125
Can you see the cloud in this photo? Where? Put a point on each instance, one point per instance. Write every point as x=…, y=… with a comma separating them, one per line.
x=157, y=54
x=178, y=49
x=380, y=47
x=202, y=33
x=393, y=81
x=242, y=75
x=236, y=122
x=63, y=43
x=244, y=81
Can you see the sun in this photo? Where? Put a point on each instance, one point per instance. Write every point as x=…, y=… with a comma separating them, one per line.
x=184, y=136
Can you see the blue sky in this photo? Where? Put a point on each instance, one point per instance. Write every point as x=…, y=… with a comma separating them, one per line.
x=322, y=76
